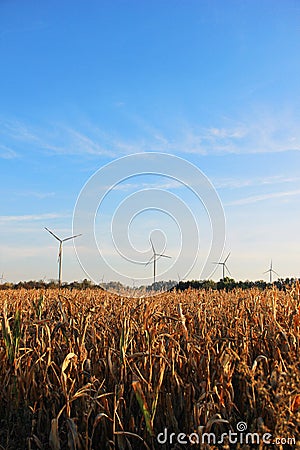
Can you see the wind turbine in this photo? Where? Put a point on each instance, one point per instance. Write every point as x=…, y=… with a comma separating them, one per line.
x=60, y=252
x=154, y=259
x=2, y=278
x=271, y=271
x=224, y=265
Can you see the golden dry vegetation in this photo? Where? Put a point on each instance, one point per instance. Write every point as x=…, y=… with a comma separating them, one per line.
x=90, y=370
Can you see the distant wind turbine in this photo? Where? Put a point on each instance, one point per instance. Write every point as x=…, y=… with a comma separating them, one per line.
x=224, y=266
x=2, y=278
x=60, y=251
x=154, y=259
x=271, y=271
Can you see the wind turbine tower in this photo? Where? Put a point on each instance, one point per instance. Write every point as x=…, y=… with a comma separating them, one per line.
x=224, y=266
x=271, y=271
x=154, y=258
x=60, y=252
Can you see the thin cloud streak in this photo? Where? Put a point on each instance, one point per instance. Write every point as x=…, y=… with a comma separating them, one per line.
x=32, y=217
x=140, y=186
x=39, y=195
x=253, y=139
x=7, y=153
x=265, y=134
x=61, y=140
x=237, y=183
x=263, y=197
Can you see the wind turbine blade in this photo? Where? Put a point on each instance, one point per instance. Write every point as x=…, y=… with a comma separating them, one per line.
x=267, y=271
x=164, y=256
x=150, y=260
x=275, y=273
x=56, y=237
x=153, y=249
x=227, y=257
x=227, y=269
x=71, y=237
x=217, y=263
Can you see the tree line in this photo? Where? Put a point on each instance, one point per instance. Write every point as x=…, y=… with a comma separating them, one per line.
x=227, y=284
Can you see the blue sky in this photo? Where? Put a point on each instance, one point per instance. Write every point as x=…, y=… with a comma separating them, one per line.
x=215, y=83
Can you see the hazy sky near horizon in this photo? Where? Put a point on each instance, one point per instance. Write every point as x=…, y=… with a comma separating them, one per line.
x=213, y=82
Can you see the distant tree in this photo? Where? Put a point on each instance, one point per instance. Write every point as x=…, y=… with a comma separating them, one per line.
x=226, y=283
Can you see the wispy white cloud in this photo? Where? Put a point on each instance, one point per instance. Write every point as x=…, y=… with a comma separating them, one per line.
x=223, y=133
x=172, y=184
x=263, y=197
x=7, y=153
x=237, y=183
x=31, y=217
x=58, y=139
x=259, y=132
x=80, y=143
x=17, y=131
x=35, y=194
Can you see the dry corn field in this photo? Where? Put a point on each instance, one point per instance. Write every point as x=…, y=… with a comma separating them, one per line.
x=90, y=370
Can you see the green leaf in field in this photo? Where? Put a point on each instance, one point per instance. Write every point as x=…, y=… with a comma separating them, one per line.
x=143, y=405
